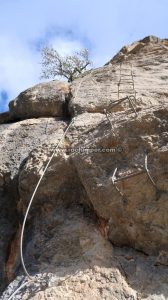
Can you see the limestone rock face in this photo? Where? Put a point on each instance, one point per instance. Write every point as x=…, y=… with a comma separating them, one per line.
x=140, y=68
x=42, y=100
x=17, y=140
x=135, y=208
x=76, y=261
x=5, y=117
x=98, y=225
x=20, y=138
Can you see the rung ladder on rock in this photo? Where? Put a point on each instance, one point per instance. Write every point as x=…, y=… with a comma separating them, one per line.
x=126, y=82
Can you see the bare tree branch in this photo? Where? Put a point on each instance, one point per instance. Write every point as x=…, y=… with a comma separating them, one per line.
x=70, y=66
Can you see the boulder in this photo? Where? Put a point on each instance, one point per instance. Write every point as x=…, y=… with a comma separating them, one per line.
x=42, y=100
x=5, y=118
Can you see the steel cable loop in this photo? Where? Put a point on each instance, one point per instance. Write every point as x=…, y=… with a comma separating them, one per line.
x=27, y=211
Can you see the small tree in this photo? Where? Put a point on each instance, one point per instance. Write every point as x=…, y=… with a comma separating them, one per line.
x=69, y=66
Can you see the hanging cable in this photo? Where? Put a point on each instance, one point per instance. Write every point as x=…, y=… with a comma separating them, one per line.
x=147, y=170
x=18, y=289
x=31, y=200
x=28, y=208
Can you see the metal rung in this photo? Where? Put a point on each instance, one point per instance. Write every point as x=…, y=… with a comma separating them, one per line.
x=119, y=101
x=126, y=76
x=144, y=170
x=114, y=92
x=130, y=75
x=126, y=69
x=127, y=91
x=126, y=86
x=113, y=181
x=126, y=82
x=108, y=118
x=129, y=176
x=126, y=79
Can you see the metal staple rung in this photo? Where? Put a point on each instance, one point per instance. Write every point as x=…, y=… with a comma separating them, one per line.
x=129, y=90
x=111, y=124
x=119, y=101
x=127, y=86
x=133, y=106
x=126, y=81
x=129, y=176
x=113, y=181
x=126, y=75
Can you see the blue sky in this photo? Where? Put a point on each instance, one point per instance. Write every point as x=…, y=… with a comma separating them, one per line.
x=102, y=26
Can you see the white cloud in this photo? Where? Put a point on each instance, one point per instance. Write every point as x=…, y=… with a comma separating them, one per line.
x=65, y=47
x=107, y=24
x=19, y=66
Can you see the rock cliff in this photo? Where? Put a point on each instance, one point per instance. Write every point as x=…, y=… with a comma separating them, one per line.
x=98, y=226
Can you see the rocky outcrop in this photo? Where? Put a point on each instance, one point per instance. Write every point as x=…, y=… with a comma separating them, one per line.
x=76, y=260
x=98, y=226
x=143, y=71
x=150, y=45
x=42, y=100
x=137, y=213
x=5, y=117
x=17, y=140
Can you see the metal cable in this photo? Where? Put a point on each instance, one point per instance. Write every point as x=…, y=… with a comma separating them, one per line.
x=18, y=289
x=147, y=170
x=31, y=200
x=27, y=211
x=43, y=173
